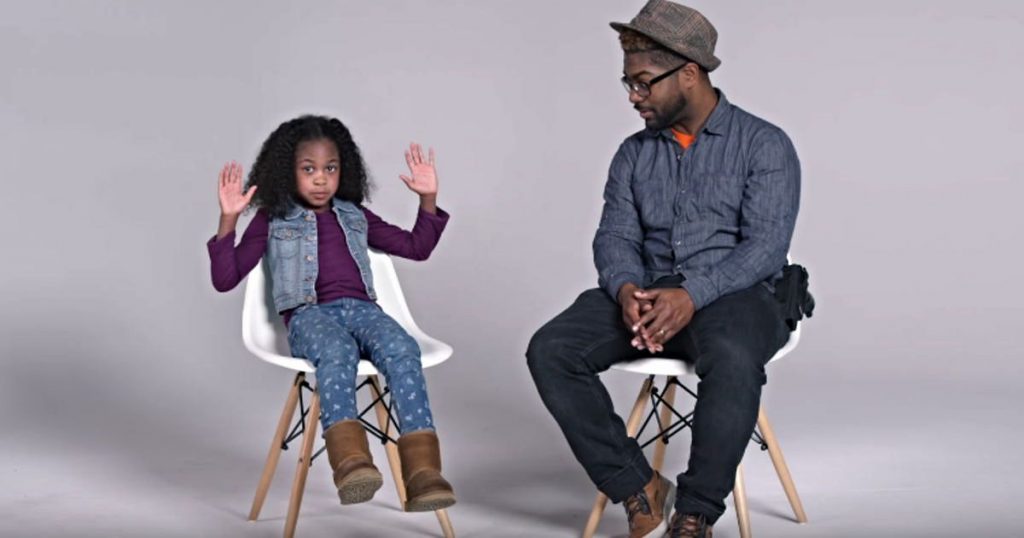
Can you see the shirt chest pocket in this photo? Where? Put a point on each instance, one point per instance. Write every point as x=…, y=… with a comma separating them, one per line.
x=356, y=228
x=718, y=195
x=285, y=241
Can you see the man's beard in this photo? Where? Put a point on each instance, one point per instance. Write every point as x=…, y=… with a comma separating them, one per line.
x=669, y=115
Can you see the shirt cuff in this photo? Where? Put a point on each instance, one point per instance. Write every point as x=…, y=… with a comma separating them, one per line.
x=618, y=280
x=441, y=217
x=215, y=245
x=701, y=289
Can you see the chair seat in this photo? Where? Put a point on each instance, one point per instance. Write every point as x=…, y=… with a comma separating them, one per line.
x=677, y=367
x=432, y=353
x=656, y=366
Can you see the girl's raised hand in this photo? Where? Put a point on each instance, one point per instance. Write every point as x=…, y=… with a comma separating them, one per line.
x=424, y=177
x=232, y=199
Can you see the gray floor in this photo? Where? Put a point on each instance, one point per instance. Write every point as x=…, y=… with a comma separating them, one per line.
x=871, y=469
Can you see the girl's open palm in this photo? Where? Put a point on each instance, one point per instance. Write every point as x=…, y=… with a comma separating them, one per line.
x=232, y=199
x=424, y=176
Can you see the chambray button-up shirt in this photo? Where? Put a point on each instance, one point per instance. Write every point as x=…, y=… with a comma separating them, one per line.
x=721, y=213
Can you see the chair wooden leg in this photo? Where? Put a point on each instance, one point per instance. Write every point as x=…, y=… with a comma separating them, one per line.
x=396, y=465
x=632, y=425
x=446, y=524
x=302, y=469
x=739, y=499
x=780, y=466
x=275, y=447
x=666, y=418
x=391, y=449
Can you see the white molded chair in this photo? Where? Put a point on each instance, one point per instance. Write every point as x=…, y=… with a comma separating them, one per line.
x=265, y=336
x=670, y=422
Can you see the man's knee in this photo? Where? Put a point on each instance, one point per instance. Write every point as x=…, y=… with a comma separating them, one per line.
x=539, y=347
x=563, y=344
x=547, y=351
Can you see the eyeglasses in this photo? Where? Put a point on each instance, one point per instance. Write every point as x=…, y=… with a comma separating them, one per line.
x=643, y=89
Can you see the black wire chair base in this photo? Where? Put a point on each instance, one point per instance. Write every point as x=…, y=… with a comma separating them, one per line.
x=678, y=422
x=377, y=396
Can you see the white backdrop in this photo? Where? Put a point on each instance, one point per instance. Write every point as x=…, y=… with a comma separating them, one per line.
x=129, y=405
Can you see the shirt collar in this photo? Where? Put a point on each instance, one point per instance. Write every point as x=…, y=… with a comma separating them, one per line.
x=719, y=118
x=294, y=211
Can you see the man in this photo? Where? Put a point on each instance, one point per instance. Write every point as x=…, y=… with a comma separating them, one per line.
x=699, y=210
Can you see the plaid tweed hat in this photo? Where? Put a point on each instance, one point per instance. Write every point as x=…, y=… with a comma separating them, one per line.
x=678, y=28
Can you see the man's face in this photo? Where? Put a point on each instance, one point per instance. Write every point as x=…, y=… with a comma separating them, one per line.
x=666, y=103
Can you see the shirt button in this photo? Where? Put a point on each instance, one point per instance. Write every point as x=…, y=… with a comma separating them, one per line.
x=309, y=258
x=309, y=217
x=678, y=243
x=310, y=238
x=310, y=299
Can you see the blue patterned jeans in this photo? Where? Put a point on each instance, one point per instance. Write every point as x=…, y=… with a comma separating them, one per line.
x=333, y=336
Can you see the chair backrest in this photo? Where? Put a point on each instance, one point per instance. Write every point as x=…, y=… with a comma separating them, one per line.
x=263, y=330
x=794, y=340
x=794, y=336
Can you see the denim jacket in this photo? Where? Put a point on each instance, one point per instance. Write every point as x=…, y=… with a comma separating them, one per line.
x=292, y=253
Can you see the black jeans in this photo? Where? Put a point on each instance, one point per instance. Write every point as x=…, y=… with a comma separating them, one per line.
x=730, y=340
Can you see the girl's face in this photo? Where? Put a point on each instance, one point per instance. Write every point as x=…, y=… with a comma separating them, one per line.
x=317, y=173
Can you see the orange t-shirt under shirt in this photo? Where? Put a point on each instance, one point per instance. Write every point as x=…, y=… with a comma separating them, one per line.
x=684, y=139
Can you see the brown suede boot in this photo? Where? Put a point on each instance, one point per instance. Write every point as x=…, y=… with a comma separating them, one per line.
x=355, y=476
x=426, y=490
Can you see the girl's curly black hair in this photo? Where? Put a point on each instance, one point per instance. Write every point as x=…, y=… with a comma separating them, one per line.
x=274, y=169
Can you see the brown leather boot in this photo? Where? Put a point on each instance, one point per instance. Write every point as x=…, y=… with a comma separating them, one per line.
x=355, y=476
x=426, y=490
x=688, y=526
x=647, y=510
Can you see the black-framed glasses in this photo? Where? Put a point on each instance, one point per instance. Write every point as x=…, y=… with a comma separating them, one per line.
x=643, y=89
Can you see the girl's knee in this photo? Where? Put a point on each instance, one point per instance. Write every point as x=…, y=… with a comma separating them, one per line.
x=404, y=346
x=404, y=366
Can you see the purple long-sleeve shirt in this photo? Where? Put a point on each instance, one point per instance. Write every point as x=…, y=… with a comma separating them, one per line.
x=338, y=275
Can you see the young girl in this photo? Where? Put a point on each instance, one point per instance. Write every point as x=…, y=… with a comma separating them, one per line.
x=308, y=184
